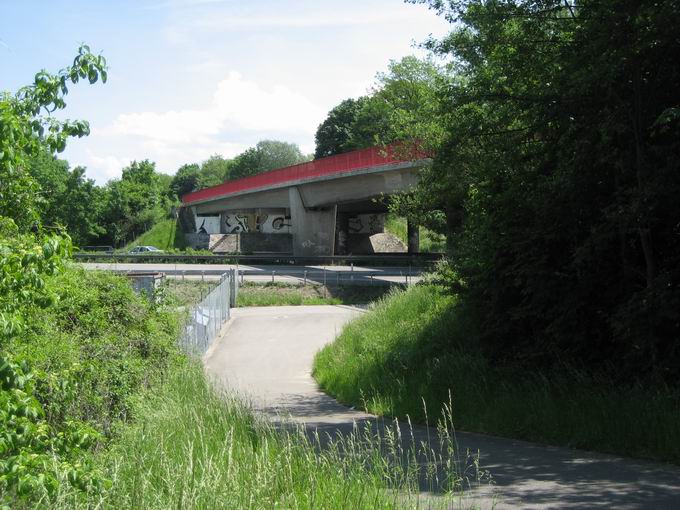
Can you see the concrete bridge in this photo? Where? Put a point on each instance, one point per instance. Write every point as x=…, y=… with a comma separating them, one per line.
x=328, y=206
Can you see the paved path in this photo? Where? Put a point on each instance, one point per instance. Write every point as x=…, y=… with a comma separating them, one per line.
x=266, y=354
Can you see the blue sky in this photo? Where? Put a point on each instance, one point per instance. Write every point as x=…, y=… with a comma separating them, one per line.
x=192, y=78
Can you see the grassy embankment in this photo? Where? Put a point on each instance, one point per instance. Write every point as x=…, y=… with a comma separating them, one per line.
x=415, y=346
x=165, y=235
x=183, y=444
x=430, y=242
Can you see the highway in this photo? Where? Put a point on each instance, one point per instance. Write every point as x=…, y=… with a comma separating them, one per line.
x=315, y=274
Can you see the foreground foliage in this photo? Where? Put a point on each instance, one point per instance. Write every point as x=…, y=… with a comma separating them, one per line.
x=195, y=447
x=417, y=349
x=69, y=376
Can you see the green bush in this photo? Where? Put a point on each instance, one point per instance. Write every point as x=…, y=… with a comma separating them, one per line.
x=95, y=348
x=77, y=349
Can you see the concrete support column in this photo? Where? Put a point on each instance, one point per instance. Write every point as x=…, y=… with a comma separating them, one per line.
x=313, y=230
x=413, y=237
x=341, y=233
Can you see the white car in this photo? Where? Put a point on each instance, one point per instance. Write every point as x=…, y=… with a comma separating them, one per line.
x=137, y=250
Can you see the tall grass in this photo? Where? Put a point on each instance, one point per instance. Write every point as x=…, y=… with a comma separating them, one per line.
x=194, y=447
x=416, y=346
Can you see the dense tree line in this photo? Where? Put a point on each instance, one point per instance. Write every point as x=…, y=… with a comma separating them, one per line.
x=266, y=155
x=124, y=208
x=555, y=127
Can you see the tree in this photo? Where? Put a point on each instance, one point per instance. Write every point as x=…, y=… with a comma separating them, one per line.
x=402, y=106
x=67, y=199
x=559, y=176
x=334, y=135
x=185, y=180
x=35, y=456
x=26, y=126
x=135, y=202
x=215, y=170
x=266, y=155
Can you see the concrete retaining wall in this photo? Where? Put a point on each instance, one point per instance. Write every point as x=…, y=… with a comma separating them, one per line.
x=257, y=242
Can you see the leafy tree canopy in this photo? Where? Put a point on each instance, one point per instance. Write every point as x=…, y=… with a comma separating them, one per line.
x=215, y=170
x=266, y=155
x=67, y=198
x=27, y=125
x=186, y=180
x=334, y=135
x=35, y=456
x=558, y=176
x=402, y=105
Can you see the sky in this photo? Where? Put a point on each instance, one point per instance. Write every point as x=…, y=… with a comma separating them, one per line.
x=193, y=78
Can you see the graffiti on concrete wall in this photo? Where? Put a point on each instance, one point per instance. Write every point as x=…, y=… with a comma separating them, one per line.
x=366, y=224
x=236, y=223
x=273, y=224
x=264, y=223
x=208, y=224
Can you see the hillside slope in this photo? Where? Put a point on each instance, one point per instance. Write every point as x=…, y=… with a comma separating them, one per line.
x=164, y=235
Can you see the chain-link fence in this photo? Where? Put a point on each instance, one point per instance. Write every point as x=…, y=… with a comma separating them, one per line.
x=207, y=317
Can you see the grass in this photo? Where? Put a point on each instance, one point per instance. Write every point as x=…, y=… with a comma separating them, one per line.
x=165, y=235
x=188, y=292
x=416, y=345
x=279, y=294
x=195, y=447
x=430, y=242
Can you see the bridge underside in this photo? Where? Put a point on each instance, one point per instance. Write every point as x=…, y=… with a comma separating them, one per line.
x=324, y=216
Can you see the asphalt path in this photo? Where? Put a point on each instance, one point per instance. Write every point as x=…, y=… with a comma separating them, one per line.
x=328, y=275
x=266, y=355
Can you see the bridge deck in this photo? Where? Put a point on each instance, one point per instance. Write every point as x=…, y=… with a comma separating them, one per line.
x=331, y=165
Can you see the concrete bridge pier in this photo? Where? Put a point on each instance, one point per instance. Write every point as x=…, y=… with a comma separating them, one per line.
x=313, y=229
x=341, y=234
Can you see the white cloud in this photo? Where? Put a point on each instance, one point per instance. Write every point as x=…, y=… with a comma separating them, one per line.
x=249, y=106
x=187, y=126
x=104, y=168
x=237, y=104
x=240, y=109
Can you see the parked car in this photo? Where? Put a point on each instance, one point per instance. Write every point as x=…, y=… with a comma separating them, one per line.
x=138, y=250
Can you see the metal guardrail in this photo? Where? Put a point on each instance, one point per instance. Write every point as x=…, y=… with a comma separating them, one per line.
x=206, y=319
x=330, y=278
x=382, y=259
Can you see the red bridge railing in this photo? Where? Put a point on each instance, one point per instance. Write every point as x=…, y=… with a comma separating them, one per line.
x=340, y=163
